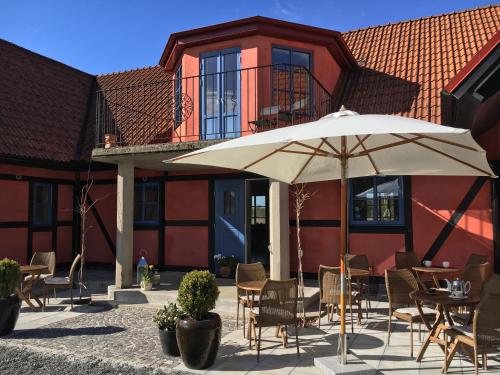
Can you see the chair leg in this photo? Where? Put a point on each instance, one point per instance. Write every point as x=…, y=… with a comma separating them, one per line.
x=249, y=333
x=297, y=339
x=238, y=316
x=71, y=296
x=476, y=364
x=319, y=315
x=445, y=367
x=485, y=361
x=44, y=295
x=389, y=328
x=411, y=339
x=419, y=332
x=258, y=344
x=244, y=323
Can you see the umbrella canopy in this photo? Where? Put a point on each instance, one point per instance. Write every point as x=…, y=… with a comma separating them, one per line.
x=374, y=145
x=343, y=145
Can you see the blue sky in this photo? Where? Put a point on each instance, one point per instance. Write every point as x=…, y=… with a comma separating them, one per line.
x=114, y=35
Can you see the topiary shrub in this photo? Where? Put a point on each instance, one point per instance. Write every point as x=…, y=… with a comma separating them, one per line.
x=197, y=293
x=10, y=276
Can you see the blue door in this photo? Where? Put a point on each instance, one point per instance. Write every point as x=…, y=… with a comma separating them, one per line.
x=230, y=218
x=220, y=94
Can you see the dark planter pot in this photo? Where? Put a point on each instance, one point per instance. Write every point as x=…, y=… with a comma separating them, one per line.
x=168, y=342
x=225, y=271
x=199, y=340
x=9, y=312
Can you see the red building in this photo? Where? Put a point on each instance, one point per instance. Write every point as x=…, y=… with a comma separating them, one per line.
x=229, y=80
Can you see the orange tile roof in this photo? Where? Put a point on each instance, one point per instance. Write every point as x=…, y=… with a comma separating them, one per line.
x=404, y=66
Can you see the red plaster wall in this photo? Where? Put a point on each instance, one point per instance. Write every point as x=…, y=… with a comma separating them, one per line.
x=13, y=200
x=434, y=201
x=36, y=172
x=14, y=244
x=64, y=244
x=42, y=241
x=320, y=246
x=324, y=202
x=186, y=200
x=65, y=202
x=186, y=246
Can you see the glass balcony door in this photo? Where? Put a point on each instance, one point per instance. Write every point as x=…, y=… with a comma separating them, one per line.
x=220, y=94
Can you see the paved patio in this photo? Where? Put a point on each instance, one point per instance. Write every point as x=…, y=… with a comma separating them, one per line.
x=126, y=336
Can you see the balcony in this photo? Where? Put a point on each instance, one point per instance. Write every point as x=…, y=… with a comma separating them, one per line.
x=209, y=107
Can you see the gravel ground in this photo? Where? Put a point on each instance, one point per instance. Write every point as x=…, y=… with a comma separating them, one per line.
x=119, y=340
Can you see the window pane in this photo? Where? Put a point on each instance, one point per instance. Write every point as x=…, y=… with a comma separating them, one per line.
x=151, y=194
x=146, y=207
x=363, y=199
x=211, y=87
x=42, y=204
x=300, y=58
x=230, y=83
x=388, y=198
x=280, y=56
x=151, y=212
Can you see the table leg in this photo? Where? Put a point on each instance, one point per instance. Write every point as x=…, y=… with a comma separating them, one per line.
x=433, y=333
x=436, y=281
x=22, y=295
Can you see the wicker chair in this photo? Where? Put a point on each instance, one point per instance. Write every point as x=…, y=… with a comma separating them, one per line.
x=399, y=284
x=44, y=259
x=61, y=282
x=247, y=272
x=406, y=260
x=277, y=308
x=483, y=336
x=363, y=284
x=477, y=259
x=329, y=293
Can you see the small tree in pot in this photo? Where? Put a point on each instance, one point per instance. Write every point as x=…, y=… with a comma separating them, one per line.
x=166, y=320
x=10, y=276
x=198, y=333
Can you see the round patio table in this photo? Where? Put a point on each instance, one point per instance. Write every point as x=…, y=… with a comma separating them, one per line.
x=434, y=272
x=252, y=287
x=443, y=303
x=25, y=292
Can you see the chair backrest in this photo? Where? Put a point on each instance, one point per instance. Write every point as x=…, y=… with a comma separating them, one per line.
x=250, y=272
x=47, y=258
x=359, y=261
x=477, y=259
x=329, y=284
x=476, y=274
x=406, y=260
x=278, y=303
x=486, y=325
x=73, y=267
x=492, y=284
x=399, y=284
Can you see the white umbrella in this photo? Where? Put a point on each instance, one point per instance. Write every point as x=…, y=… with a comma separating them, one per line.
x=344, y=145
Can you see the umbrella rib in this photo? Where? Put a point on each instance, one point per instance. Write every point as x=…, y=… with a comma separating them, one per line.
x=383, y=147
x=187, y=155
x=315, y=149
x=368, y=154
x=445, y=154
x=331, y=146
x=447, y=142
x=360, y=142
x=268, y=155
x=309, y=153
x=307, y=162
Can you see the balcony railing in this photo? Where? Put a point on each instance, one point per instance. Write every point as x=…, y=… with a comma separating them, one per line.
x=212, y=106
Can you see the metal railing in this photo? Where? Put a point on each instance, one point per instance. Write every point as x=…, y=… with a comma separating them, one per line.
x=211, y=106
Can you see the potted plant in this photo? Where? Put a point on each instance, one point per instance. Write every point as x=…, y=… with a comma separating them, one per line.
x=147, y=278
x=10, y=304
x=199, y=332
x=226, y=264
x=166, y=320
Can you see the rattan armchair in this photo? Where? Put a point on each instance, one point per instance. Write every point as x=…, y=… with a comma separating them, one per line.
x=247, y=272
x=277, y=308
x=362, y=285
x=483, y=335
x=477, y=259
x=400, y=283
x=406, y=260
x=61, y=282
x=48, y=259
x=329, y=294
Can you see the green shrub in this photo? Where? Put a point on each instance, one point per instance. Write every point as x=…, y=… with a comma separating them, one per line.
x=197, y=293
x=147, y=274
x=167, y=317
x=10, y=276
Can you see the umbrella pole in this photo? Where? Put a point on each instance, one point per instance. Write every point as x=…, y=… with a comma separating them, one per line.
x=343, y=247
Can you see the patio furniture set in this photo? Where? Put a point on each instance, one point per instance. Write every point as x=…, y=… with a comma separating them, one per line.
x=40, y=274
x=414, y=293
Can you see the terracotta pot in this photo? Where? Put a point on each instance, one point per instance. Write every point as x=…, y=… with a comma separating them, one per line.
x=225, y=271
x=199, y=340
x=9, y=312
x=168, y=342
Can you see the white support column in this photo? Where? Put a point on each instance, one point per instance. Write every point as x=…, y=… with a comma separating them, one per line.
x=279, y=230
x=124, y=224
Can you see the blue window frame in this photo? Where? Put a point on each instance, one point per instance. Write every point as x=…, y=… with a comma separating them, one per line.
x=376, y=200
x=147, y=203
x=42, y=204
x=178, y=96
